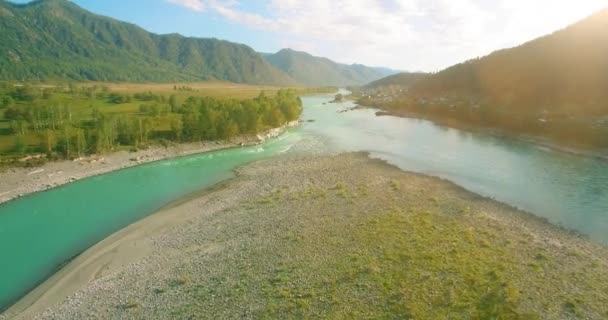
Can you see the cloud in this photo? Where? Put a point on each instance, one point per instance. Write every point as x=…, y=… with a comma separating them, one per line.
x=407, y=34
x=196, y=5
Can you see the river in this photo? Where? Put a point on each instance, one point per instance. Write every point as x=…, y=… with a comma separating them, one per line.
x=40, y=232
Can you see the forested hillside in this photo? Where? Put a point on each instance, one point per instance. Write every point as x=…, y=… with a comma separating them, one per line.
x=56, y=39
x=402, y=80
x=555, y=86
x=316, y=71
x=565, y=72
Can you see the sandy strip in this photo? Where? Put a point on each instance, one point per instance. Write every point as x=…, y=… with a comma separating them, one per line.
x=112, y=254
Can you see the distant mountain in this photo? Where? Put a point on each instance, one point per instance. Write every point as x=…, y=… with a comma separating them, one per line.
x=565, y=72
x=317, y=71
x=402, y=80
x=56, y=39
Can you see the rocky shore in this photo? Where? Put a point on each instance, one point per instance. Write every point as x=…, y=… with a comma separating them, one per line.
x=18, y=182
x=331, y=237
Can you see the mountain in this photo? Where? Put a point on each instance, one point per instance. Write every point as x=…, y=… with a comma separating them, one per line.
x=317, y=71
x=562, y=73
x=401, y=80
x=553, y=88
x=56, y=39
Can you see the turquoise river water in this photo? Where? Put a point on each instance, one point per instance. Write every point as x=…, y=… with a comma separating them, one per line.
x=39, y=232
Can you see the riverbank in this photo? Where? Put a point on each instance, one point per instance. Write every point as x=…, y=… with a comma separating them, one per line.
x=537, y=140
x=331, y=237
x=18, y=182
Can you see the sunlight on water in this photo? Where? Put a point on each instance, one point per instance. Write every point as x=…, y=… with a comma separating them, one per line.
x=568, y=190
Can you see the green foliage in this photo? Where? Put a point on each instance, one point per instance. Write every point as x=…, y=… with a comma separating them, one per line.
x=66, y=124
x=209, y=119
x=6, y=102
x=48, y=141
x=395, y=265
x=20, y=146
x=119, y=98
x=56, y=39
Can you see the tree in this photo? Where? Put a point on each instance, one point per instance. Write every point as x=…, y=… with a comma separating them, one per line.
x=251, y=118
x=49, y=141
x=66, y=140
x=125, y=131
x=142, y=128
x=155, y=110
x=173, y=103
x=177, y=128
x=6, y=102
x=80, y=142
x=20, y=146
x=26, y=93
x=228, y=129
x=196, y=119
x=19, y=127
x=105, y=135
x=47, y=94
x=97, y=116
x=276, y=118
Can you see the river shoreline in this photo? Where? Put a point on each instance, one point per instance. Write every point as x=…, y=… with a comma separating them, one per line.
x=151, y=267
x=536, y=140
x=19, y=182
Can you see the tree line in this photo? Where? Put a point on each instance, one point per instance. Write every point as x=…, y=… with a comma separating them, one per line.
x=586, y=132
x=44, y=120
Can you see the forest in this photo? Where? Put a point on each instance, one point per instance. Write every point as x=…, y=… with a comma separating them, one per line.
x=82, y=46
x=68, y=121
x=566, y=130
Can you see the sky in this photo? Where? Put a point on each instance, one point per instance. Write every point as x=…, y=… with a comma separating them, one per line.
x=408, y=35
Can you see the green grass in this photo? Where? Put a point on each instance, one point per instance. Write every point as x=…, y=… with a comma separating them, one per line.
x=396, y=263
x=417, y=265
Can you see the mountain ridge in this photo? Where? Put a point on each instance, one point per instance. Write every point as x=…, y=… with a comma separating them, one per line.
x=553, y=88
x=312, y=70
x=568, y=66
x=402, y=79
x=47, y=39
